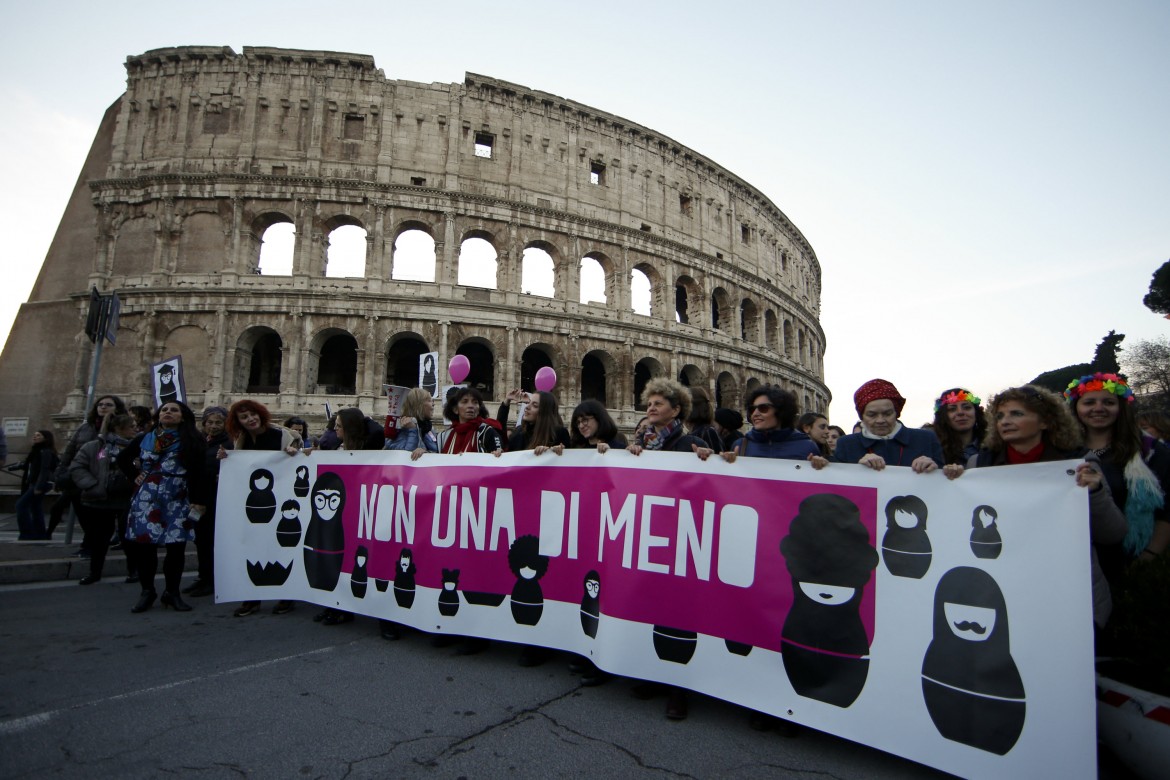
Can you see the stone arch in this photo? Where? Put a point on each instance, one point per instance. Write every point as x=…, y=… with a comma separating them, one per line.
x=644, y=370
x=753, y=383
x=481, y=353
x=720, y=309
x=691, y=375
x=749, y=321
x=539, y=264
x=598, y=376
x=477, y=264
x=536, y=356
x=726, y=392
x=687, y=295
x=135, y=246
x=272, y=240
x=412, y=253
x=596, y=270
x=346, y=247
x=789, y=343
x=332, y=363
x=653, y=279
x=203, y=245
x=194, y=344
x=801, y=347
x=403, y=351
x=771, y=331
x=258, y=361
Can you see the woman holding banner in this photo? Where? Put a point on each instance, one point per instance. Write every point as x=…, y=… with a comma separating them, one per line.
x=540, y=427
x=884, y=440
x=250, y=425
x=167, y=466
x=416, y=435
x=1034, y=425
x=592, y=427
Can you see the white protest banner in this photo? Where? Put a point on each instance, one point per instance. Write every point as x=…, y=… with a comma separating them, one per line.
x=947, y=622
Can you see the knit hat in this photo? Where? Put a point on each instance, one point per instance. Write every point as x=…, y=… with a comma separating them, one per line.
x=874, y=390
x=728, y=419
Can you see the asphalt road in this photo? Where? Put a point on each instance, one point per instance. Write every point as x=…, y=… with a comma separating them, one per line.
x=89, y=690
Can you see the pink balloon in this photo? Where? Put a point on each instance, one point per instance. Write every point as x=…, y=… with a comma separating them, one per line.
x=546, y=379
x=459, y=367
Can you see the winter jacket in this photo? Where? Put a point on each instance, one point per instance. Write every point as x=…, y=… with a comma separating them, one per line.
x=93, y=472
x=785, y=443
x=901, y=450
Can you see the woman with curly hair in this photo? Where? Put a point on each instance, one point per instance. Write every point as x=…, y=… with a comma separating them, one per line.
x=959, y=424
x=591, y=426
x=471, y=429
x=1034, y=425
x=1136, y=466
x=168, y=469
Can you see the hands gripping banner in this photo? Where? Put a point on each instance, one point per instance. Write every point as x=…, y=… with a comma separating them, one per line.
x=947, y=622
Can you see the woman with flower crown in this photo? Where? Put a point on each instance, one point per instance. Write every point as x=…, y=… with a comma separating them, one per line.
x=959, y=424
x=1136, y=466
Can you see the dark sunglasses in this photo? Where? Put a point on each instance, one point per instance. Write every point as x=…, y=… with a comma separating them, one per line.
x=761, y=408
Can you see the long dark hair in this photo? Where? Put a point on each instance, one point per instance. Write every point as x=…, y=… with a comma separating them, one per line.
x=351, y=428
x=92, y=417
x=952, y=445
x=542, y=432
x=191, y=442
x=606, y=427
x=1126, y=436
x=49, y=443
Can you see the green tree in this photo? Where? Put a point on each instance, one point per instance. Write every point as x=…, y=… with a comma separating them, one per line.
x=1104, y=360
x=1157, y=299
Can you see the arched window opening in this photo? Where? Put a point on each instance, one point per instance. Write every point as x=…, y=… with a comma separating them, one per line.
x=592, y=281
x=537, y=276
x=264, y=368
x=346, y=255
x=593, y=379
x=640, y=292
x=789, y=344
x=337, y=366
x=749, y=321
x=691, y=376
x=414, y=257
x=725, y=394
x=721, y=310
x=644, y=370
x=801, y=347
x=771, y=334
x=751, y=385
x=402, y=361
x=482, y=375
x=533, y=359
x=276, y=249
x=477, y=263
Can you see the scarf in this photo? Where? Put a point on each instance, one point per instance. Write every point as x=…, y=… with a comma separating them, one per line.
x=652, y=439
x=1145, y=497
x=463, y=437
x=1017, y=458
x=162, y=440
x=869, y=435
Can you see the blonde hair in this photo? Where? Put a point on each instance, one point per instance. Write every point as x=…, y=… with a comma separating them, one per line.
x=415, y=404
x=675, y=394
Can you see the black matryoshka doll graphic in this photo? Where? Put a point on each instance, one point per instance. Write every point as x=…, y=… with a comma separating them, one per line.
x=591, y=604
x=404, y=579
x=985, y=539
x=449, y=595
x=526, y=562
x=675, y=644
x=325, y=536
x=301, y=483
x=358, y=579
x=288, y=530
x=972, y=688
x=906, y=547
x=260, y=506
x=830, y=558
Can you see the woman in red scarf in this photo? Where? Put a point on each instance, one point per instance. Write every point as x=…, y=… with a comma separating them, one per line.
x=471, y=429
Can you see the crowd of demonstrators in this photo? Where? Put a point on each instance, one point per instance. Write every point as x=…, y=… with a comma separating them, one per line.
x=1125, y=466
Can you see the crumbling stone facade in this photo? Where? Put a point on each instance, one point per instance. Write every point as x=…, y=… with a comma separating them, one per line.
x=208, y=149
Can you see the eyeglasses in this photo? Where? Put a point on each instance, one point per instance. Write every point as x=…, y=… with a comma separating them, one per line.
x=761, y=408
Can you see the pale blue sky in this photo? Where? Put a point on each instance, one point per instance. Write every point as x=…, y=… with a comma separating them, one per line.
x=985, y=184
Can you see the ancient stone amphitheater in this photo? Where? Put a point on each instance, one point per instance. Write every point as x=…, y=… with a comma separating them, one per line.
x=209, y=152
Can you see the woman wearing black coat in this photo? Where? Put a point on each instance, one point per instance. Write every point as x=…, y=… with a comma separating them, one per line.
x=38, y=468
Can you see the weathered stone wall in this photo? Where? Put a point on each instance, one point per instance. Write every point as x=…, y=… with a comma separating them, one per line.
x=208, y=148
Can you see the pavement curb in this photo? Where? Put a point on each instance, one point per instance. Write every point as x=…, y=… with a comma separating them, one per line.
x=71, y=568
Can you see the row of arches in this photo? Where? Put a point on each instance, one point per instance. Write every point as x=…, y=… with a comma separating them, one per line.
x=615, y=277
x=333, y=369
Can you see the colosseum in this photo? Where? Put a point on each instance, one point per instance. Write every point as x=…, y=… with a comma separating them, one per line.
x=209, y=154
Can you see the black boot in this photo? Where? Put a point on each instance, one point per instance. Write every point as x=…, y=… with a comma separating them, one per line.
x=174, y=600
x=145, y=601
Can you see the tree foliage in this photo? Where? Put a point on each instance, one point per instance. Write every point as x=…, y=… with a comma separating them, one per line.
x=1148, y=366
x=1104, y=360
x=1157, y=299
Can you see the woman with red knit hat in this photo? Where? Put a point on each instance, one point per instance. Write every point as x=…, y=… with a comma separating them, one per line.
x=883, y=440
